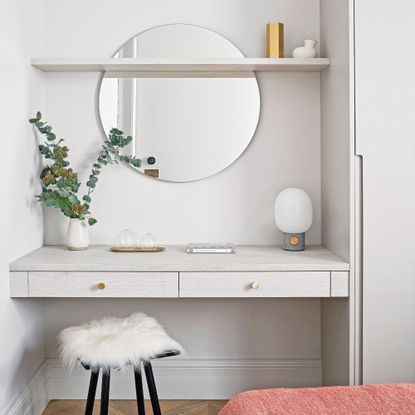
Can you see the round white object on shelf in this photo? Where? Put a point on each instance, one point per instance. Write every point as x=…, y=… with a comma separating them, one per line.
x=307, y=51
x=293, y=210
x=126, y=239
x=148, y=241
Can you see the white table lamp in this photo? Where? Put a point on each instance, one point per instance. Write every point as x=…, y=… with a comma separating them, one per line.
x=293, y=216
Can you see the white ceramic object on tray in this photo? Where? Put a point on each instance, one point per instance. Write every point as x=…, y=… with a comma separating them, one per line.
x=78, y=235
x=307, y=51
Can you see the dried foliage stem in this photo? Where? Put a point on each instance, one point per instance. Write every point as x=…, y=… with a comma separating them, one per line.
x=60, y=183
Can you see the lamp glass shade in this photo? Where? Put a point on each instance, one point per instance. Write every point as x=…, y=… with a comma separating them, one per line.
x=293, y=211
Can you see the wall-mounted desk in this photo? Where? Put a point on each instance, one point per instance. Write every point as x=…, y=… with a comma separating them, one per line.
x=253, y=271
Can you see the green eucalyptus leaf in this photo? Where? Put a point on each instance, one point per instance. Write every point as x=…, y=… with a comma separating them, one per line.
x=62, y=192
x=39, y=115
x=92, y=221
x=135, y=162
x=62, y=203
x=66, y=210
x=75, y=186
x=49, y=202
x=61, y=183
x=72, y=199
x=115, y=131
x=87, y=199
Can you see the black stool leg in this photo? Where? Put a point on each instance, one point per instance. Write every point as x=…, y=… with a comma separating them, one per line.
x=152, y=388
x=91, y=392
x=105, y=391
x=139, y=390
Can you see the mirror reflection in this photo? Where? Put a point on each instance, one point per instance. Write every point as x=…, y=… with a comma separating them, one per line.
x=184, y=129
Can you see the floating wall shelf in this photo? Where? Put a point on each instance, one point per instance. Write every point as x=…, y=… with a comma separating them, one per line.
x=189, y=67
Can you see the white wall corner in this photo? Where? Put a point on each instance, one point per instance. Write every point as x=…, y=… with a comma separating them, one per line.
x=34, y=397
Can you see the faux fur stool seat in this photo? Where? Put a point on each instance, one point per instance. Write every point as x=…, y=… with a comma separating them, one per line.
x=112, y=343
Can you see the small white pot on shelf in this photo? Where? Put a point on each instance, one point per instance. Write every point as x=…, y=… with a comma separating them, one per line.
x=77, y=238
x=307, y=51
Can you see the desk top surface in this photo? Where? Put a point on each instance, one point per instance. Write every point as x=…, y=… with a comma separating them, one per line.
x=175, y=258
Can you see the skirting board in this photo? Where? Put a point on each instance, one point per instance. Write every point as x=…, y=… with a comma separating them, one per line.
x=194, y=378
x=175, y=378
x=34, y=397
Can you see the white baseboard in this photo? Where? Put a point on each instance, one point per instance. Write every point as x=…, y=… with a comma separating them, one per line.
x=34, y=397
x=193, y=378
x=175, y=378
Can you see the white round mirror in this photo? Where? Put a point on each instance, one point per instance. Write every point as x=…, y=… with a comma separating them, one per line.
x=184, y=129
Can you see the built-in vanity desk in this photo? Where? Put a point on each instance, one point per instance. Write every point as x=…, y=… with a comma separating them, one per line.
x=252, y=271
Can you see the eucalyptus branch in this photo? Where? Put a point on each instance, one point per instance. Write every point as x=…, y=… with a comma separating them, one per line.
x=60, y=183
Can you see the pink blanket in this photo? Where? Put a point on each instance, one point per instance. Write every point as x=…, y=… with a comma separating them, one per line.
x=393, y=399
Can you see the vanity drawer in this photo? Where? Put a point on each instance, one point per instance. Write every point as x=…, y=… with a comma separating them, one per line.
x=255, y=284
x=103, y=284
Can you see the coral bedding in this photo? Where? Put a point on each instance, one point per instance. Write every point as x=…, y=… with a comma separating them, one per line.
x=391, y=399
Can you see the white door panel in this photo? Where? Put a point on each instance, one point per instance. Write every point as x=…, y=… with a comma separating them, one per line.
x=385, y=137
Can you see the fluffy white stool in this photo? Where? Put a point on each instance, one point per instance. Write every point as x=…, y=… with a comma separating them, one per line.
x=112, y=343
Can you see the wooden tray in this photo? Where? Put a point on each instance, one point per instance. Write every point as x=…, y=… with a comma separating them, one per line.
x=138, y=249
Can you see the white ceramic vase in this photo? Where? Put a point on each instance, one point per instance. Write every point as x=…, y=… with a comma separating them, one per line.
x=307, y=51
x=77, y=238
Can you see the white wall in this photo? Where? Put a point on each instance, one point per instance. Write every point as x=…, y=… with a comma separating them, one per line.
x=235, y=205
x=22, y=346
x=335, y=183
x=335, y=131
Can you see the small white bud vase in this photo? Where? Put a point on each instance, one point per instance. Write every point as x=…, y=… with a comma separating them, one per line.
x=307, y=51
x=77, y=238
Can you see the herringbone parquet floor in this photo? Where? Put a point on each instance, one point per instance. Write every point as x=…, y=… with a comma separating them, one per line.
x=129, y=407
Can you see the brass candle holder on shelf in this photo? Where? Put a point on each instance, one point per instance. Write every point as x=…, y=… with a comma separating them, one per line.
x=275, y=40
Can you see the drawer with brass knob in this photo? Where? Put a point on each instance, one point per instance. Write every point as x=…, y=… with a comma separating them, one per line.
x=255, y=284
x=105, y=284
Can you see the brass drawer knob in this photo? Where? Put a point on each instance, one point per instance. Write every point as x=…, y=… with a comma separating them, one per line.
x=255, y=285
x=101, y=286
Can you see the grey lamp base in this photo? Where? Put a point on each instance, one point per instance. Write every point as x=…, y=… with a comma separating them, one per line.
x=293, y=241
